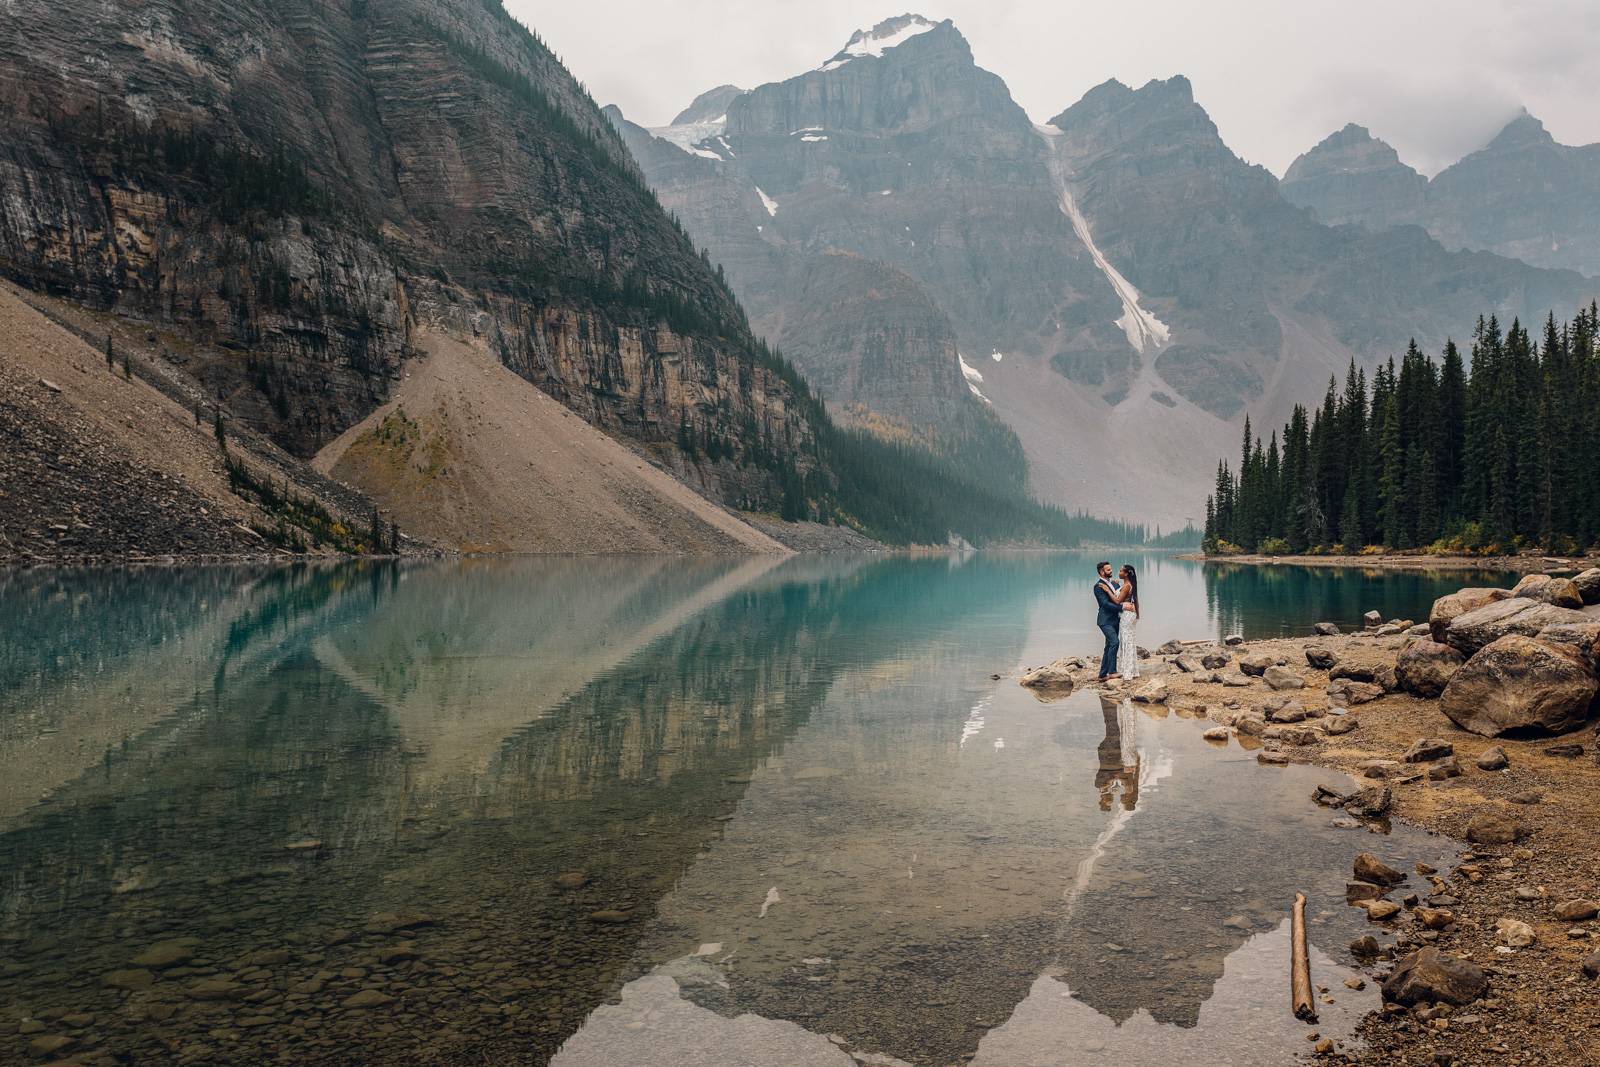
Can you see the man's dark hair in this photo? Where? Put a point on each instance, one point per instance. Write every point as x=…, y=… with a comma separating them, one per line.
x=1102, y=564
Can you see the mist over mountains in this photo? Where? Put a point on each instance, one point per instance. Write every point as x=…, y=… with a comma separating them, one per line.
x=1122, y=288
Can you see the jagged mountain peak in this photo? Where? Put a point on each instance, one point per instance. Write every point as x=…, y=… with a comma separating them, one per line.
x=709, y=105
x=1352, y=149
x=1523, y=131
x=886, y=35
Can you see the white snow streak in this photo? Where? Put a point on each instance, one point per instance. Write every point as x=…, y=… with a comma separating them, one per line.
x=705, y=153
x=1144, y=331
x=814, y=137
x=973, y=376
x=767, y=202
x=772, y=898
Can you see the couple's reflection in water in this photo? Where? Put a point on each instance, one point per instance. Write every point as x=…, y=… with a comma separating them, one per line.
x=1116, y=778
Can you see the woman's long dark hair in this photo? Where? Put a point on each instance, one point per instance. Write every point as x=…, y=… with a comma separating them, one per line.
x=1133, y=587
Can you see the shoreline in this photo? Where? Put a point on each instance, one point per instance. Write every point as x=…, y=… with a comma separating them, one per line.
x=1540, y=1000
x=1395, y=561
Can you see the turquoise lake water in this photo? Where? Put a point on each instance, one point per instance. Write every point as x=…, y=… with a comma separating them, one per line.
x=650, y=811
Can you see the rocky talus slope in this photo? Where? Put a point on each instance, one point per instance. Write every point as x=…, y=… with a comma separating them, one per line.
x=1478, y=723
x=102, y=464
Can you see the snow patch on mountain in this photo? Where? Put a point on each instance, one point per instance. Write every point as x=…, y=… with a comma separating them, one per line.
x=878, y=40
x=1144, y=331
x=688, y=134
x=767, y=202
x=973, y=376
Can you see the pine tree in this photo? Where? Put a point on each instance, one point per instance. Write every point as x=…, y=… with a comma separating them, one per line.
x=219, y=431
x=111, y=354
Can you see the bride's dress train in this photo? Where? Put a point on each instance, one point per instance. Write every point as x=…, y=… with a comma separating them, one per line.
x=1128, y=653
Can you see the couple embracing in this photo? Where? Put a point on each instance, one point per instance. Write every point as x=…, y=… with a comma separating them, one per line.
x=1118, y=601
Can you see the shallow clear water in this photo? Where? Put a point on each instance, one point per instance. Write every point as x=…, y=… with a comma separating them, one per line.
x=801, y=823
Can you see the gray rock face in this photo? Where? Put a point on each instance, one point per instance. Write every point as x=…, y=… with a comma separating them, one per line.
x=1474, y=630
x=1447, y=608
x=1518, y=683
x=1522, y=195
x=436, y=166
x=1424, y=668
x=1351, y=176
x=917, y=158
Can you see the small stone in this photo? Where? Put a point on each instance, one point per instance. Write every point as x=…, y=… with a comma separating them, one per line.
x=49, y=385
x=1445, y=768
x=1434, y=918
x=572, y=880
x=1233, y=639
x=1526, y=796
x=1323, y=659
x=50, y=1044
x=1365, y=947
x=1493, y=758
x=306, y=844
x=1369, y=868
x=1577, y=911
x=1493, y=828
x=1427, y=749
x=398, y=953
x=1325, y=1046
x=1514, y=932
x=1381, y=910
x=216, y=989
x=1429, y=976
x=1371, y=802
x=30, y=1026
x=166, y=954
x=1342, y=724
x=1591, y=964
x=611, y=916
x=1564, y=751
x=1527, y=893
x=132, y=978
x=1355, y=983
x=1272, y=759
x=1281, y=678
x=1216, y=733
x=1236, y=922
x=367, y=998
x=1372, y=619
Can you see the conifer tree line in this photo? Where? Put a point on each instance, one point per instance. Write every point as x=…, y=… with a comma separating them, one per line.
x=1432, y=455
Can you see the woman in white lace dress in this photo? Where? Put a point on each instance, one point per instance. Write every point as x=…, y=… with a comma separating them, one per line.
x=1128, y=592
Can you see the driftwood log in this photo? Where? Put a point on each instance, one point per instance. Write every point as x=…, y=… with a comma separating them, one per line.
x=1305, y=1008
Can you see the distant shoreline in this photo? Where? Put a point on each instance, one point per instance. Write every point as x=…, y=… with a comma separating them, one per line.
x=1400, y=562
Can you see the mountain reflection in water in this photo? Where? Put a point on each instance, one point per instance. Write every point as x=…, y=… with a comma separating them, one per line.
x=786, y=796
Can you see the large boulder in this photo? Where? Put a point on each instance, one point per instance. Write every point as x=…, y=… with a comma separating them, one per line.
x=1477, y=629
x=1446, y=608
x=1283, y=678
x=1562, y=592
x=1426, y=667
x=1429, y=976
x=1583, y=636
x=1588, y=584
x=1518, y=683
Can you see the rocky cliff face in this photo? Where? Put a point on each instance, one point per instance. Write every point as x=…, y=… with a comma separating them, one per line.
x=1522, y=195
x=1352, y=176
x=299, y=186
x=1142, y=285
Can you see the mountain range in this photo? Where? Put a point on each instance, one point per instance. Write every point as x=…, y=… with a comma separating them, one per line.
x=1521, y=195
x=1120, y=286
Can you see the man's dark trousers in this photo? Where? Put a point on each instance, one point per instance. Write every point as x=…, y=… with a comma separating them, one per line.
x=1108, y=659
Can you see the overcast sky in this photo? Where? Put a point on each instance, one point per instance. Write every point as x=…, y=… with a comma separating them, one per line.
x=1436, y=79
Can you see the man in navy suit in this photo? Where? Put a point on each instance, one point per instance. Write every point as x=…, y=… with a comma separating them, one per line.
x=1109, y=619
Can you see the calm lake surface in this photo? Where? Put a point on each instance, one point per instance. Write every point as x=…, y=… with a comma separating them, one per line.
x=636, y=811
